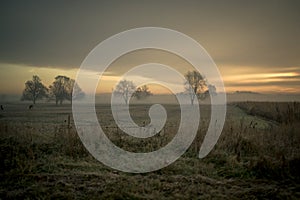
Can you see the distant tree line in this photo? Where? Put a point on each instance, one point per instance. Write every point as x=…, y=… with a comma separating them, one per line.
x=63, y=88
x=196, y=87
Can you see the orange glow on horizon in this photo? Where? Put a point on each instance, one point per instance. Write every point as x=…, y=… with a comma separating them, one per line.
x=253, y=79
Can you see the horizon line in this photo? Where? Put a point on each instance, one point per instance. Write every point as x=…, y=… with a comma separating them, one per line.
x=157, y=94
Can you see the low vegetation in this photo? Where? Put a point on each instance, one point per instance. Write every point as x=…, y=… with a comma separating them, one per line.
x=280, y=112
x=257, y=157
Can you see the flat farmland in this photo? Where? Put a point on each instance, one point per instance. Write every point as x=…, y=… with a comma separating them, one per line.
x=256, y=157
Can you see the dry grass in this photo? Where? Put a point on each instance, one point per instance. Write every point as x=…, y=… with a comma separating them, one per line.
x=250, y=161
x=281, y=112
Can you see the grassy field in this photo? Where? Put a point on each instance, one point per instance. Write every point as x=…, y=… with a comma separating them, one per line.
x=257, y=156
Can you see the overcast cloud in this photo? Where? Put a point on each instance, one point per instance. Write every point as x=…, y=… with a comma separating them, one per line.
x=61, y=33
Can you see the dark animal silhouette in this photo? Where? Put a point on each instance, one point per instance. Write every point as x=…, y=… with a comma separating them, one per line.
x=2, y=108
x=30, y=107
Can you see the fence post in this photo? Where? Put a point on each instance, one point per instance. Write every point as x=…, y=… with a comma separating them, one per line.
x=69, y=121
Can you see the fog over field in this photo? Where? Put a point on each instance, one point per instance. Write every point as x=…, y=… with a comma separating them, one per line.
x=171, y=99
x=63, y=136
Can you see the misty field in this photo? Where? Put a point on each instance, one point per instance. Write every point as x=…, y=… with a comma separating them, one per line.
x=256, y=157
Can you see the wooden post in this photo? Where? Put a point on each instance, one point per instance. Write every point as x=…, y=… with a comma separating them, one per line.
x=69, y=121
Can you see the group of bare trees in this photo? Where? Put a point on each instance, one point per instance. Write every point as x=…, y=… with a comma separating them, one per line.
x=196, y=86
x=63, y=88
x=127, y=89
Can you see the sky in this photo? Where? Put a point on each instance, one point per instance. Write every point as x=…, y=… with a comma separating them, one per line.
x=255, y=44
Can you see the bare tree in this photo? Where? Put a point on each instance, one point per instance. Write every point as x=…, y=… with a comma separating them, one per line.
x=195, y=85
x=142, y=92
x=34, y=90
x=64, y=88
x=126, y=89
x=73, y=91
x=58, y=89
x=212, y=89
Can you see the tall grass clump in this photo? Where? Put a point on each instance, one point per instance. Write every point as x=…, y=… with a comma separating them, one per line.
x=272, y=152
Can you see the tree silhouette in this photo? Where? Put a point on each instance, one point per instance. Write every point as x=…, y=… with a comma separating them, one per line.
x=64, y=88
x=126, y=89
x=212, y=89
x=34, y=90
x=142, y=92
x=73, y=91
x=58, y=89
x=195, y=85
